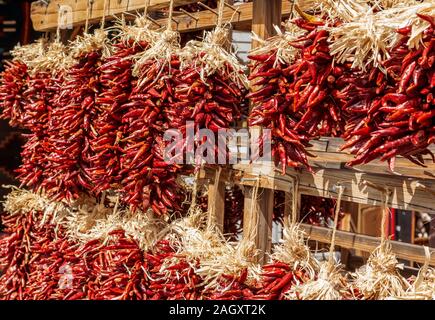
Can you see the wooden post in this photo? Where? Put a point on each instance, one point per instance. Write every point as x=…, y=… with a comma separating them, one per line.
x=263, y=209
x=216, y=198
x=266, y=13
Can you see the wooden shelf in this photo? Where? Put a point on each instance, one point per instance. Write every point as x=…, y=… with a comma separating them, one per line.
x=45, y=17
x=412, y=188
x=365, y=243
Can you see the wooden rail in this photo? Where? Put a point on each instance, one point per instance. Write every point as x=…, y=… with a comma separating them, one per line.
x=365, y=243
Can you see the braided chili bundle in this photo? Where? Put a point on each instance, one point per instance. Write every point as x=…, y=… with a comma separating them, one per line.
x=293, y=98
x=16, y=85
x=150, y=182
x=116, y=83
x=46, y=79
x=71, y=127
x=211, y=89
x=25, y=231
x=233, y=219
x=401, y=121
x=57, y=272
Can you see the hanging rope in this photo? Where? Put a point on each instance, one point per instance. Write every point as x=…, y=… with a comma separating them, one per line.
x=334, y=230
x=385, y=213
x=103, y=18
x=220, y=13
x=423, y=270
x=170, y=14
x=145, y=9
x=88, y=12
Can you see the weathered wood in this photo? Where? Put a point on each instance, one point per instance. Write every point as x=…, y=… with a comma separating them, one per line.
x=407, y=193
x=365, y=243
x=259, y=210
x=216, y=199
x=328, y=155
x=46, y=17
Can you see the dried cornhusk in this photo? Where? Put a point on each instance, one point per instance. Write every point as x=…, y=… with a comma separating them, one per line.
x=86, y=219
x=386, y=4
x=380, y=279
x=294, y=251
x=55, y=59
x=367, y=39
x=329, y=284
x=28, y=53
x=344, y=10
x=167, y=44
x=423, y=286
x=424, y=291
x=138, y=32
x=280, y=44
x=89, y=220
x=211, y=57
x=197, y=241
x=21, y=201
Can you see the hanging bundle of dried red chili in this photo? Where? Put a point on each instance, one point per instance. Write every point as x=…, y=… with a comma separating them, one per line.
x=71, y=126
x=293, y=100
x=233, y=219
x=170, y=276
x=116, y=81
x=319, y=211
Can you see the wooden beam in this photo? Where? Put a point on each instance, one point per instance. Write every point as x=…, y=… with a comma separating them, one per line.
x=328, y=155
x=266, y=14
x=45, y=17
x=259, y=210
x=216, y=199
x=365, y=243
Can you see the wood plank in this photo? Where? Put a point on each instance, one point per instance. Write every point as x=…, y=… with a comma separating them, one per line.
x=257, y=218
x=365, y=243
x=266, y=14
x=258, y=211
x=216, y=200
x=328, y=155
x=406, y=192
x=45, y=17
